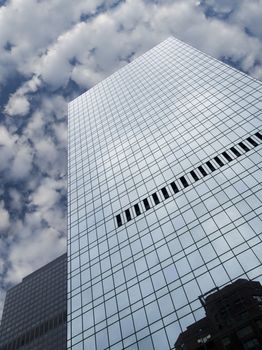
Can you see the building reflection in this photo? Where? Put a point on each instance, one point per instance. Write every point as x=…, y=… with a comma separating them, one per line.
x=233, y=319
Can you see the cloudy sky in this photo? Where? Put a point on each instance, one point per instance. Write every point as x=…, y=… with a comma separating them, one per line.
x=53, y=50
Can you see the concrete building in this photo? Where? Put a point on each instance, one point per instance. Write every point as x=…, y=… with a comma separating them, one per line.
x=34, y=315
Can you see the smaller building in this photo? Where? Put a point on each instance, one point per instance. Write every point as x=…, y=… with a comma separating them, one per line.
x=233, y=320
x=34, y=315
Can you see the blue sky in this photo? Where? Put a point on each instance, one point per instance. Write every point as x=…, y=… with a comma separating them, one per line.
x=50, y=52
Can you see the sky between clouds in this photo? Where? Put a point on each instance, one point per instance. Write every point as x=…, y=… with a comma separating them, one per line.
x=50, y=52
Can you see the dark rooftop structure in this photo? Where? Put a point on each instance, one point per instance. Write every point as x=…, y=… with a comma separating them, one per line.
x=34, y=315
x=233, y=320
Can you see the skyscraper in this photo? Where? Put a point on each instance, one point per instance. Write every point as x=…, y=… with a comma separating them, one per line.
x=164, y=196
x=34, y=315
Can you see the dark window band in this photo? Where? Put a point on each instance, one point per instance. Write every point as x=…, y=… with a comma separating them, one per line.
x=227, y=156
x=155, y=198
x=253, y=142
x=137, y=209
x=219, y=161
x=128, y=215
x=194, y=175
x=243, y=146
x=202, y=170
x=146, y=204
x=174, y=187
x=211, y=166
x=119, y=220
x=165, y=193
x=235, y=151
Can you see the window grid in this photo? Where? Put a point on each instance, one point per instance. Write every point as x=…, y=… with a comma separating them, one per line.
x=194, y=176
x=158, y=121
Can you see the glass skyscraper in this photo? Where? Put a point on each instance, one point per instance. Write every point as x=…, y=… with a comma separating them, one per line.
x=164, y=196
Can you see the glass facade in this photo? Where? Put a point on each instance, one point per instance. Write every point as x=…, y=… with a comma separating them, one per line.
x=164, y=196
x=34, y=315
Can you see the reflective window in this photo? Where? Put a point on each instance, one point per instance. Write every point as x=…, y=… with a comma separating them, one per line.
x=164, y=196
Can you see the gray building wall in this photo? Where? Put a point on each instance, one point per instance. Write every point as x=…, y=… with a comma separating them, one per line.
x=34, y=315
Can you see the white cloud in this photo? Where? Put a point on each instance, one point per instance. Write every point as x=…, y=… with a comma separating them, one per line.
x=56, y=105
x=4, y=218
x=35, y=126
x=60, y=130
x=7, y=146
x=16, y=199
x=46, y=195
x=84, y=76
x=33, y=252
x=25, y=34
x=17, y=105
x=249, y=15
x=16, y=155
x=133, y=28
x=22, y=162
x=50, y=158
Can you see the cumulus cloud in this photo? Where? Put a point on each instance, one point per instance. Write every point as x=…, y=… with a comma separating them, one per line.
x=4, y=218
x=22, y=163
x=25, y=38
x=81, y=51
x=7, y=144
x=17, y=105
x=16, y=202
x=33, y=252
x=82, y=43
x=250, y=16
x=46, y=195
x=135, y=26
x=15, y=156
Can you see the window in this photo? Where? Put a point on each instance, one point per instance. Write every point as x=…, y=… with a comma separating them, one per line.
x=226, y=343
x=165, y=193
x=137, y=209
x=258, y=298
x=210, y=165
x=243, y=315
x=259, y=324
x=174, y=187
x=128, y=215
x=227, y=156
x=235, y=151
x=119, y=220
x=219, y=161
x=253, y=142
x=243, y=146
x=202, y=170
x=155, y=198
x=146, y=204
x=194, y=175
x=251, y=344
x=184, y=181
x=258, y=135
x=245, y=332
x=204, y=339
